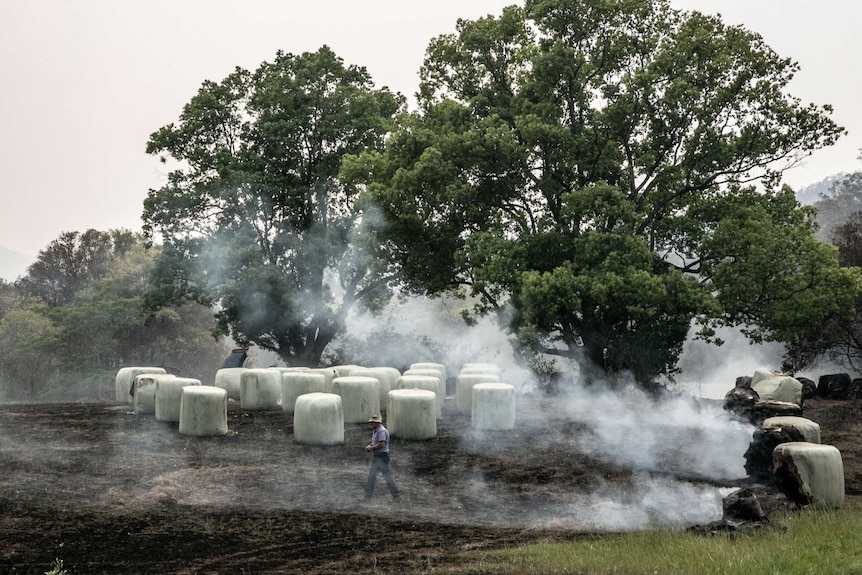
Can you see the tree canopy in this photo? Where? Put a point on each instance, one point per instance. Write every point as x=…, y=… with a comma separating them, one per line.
x=253, y=218
x=603, y=174
x=74, y=320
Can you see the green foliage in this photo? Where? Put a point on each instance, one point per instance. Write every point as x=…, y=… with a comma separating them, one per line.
x=71, y=261
x=72, y=350
x=28, y=339
x=814, y=542
x=838, y=204
x=589, y=165
x=254, y=218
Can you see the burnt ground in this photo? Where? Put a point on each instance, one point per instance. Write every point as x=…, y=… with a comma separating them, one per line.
x=108, y=491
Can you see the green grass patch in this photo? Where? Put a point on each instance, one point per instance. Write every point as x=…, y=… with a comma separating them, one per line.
x=813, y=542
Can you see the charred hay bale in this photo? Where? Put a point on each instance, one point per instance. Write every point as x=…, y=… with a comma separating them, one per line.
x=743, y=381
x=758, y=456
x=809, y=388
x=741, y=401
x=765, y=409
x=835, y=386
x=743, y=506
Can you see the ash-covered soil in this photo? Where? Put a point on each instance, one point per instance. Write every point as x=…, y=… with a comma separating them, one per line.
x=111, y=492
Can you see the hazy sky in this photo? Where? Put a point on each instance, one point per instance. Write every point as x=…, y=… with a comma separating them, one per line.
x=85, y=82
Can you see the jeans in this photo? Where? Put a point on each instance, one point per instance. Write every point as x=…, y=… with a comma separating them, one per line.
x=380, y=464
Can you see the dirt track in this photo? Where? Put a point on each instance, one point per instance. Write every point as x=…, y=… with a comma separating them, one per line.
x=111, y=492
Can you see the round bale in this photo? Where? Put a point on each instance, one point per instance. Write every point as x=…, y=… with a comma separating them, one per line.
x=431, y=365
x=359, y=397
x=329, y=374
x=435, y=373
x=126, y=377
x=383, y=377
x=318, y=419
x=798, y=428
x=493, y=406
x=779, y=388
x=481, y=368
x=296, y=383
x=228, y=378
x=260, y=389
x=464, y=383
x=412, y=414
x=809, y=474
x=169, y=393
x=424, y=382
x=144, y=396
x=762, y=373
x=203, y=411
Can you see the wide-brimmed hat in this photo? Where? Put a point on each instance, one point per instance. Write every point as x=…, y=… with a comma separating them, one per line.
x=375, y=419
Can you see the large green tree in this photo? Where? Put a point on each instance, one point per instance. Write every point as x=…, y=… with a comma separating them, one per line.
x=592, y=164
x=253, y=217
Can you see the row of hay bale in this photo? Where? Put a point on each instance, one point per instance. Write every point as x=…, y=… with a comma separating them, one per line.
x=786, y=447
x=323, y=400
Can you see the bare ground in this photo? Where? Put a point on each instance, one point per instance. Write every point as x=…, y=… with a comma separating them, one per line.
x=111, y=492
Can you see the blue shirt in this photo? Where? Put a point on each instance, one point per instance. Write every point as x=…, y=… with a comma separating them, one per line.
x=380, y=434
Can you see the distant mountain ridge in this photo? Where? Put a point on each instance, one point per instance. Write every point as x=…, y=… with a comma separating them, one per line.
x=811, y=194
x=13, y=264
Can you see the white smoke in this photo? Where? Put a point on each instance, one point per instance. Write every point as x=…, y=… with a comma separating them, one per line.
x=662, y=441
x=709, y=370
x=439, y=334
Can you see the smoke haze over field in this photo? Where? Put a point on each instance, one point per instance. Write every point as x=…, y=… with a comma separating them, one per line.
x=654, y=437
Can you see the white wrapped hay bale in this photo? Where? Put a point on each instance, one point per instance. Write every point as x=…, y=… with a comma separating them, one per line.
x=493, y=406
x=481, y=368
x=203, y=411
x=432, y=365
x=431, y=372
x=464, y=383
x=360, y=398
x=394, y=374
x=260, y=389
x=383, y=377
x=296, y=383
x=344, y=370
x=809, y=473
x=283, y=369
x=798, y=428
x=169, y=394
x=412, y=414
x=318, y=419
x=329, y=374
x=761, y=373
x=423, y=382
x=144, y=392
x=779, y=388
x=126, y=377
x=228, y=378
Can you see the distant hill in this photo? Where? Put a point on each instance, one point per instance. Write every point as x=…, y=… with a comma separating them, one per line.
x=13, y=264
x=810, y=195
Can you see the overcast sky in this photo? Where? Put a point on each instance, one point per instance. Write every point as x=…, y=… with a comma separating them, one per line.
x=85, y=82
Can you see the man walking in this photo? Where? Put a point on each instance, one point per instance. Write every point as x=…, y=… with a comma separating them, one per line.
x=379, y=446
